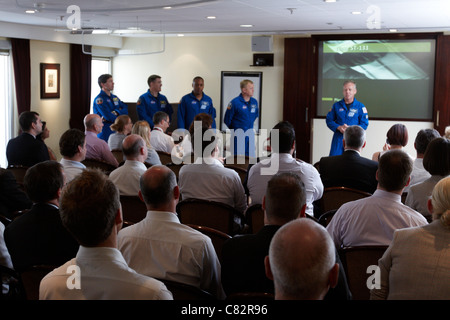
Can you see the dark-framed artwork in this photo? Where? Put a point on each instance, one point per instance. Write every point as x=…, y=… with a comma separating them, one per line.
x=50, y=75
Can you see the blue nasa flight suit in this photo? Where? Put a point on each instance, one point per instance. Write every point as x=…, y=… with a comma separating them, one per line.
x=109, y=108
x=355, y=114
x=147, y=105
x=190, y=106
x=242, y=114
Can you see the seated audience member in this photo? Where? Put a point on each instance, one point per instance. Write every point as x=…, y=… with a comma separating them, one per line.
x=96, y=147
x=416, y=264
x=12, y=197
x=437, y=162
x=447, y=132
x=397, y=138
x=142, y=128
x=305, y=273
x=122, y=127
x=44, y=135
x=373, y=220
x=5, y=261
x=350, y=169
x=208, y=179
x=160, y=246
x=423, y=138
x=159, y=140
x=282, y=160
x=72, y=146
x=38, y=236
x=90, y=210
x=25, y=149
x=186, y=144
x=127, y=176
x=285, y=200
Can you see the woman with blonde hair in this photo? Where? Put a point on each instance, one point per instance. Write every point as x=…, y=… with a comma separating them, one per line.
x=143, y=129
x=416, y=264
x=122, y=127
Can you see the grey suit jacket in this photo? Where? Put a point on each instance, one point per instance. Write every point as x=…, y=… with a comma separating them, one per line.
x=416, y=265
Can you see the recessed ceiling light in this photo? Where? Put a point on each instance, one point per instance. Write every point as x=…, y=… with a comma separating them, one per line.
x=30, y=11
x=392, y=30
x=246, y=25
x=210, y=17
x=167, y=8
x=329, y=1
x=356, y=12
x=180, y=35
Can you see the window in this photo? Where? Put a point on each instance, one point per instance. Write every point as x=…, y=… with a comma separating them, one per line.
x=6, y=108
x=99, y=66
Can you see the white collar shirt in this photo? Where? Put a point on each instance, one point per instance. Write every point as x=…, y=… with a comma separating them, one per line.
x=372, y=220
x=103, y=275
x=127, y=176
x=161, y=247
x=260, y=174
x=161, y=141
x=72, y=168
x=210, y=180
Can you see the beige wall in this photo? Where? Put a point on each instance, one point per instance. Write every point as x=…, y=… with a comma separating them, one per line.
x=55, y=111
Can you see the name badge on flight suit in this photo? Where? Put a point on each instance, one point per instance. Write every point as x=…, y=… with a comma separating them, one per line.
x=352, y=112
x=116, y=101
x=204, y=105
x=253, y=110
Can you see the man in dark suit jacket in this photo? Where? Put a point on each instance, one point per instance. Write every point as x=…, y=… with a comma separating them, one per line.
x=350, y=169
x=243, y=256
x=38, y=236
x=25, y=149
x=12, y=198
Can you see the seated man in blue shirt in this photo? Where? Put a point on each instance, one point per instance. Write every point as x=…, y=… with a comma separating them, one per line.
x=194, y=103
x=107, y=105
x=152, y=101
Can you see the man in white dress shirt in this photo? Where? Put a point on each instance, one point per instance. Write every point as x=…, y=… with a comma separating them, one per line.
x=91, y=211
x=282, y=160
x=161, y=247
x=373, y=220
x=159, y=140
x=72, y=146
x=126, y=177
x=423, y=138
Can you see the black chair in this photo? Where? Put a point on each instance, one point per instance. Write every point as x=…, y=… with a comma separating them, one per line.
x=325, y=218
x=13, y=286
x=133, y=209
x=19, y=172
x=182, y=291
x=216, y=215
x=355, y=261
x=334, y=197
x=164, y=157
x=107, y=168
x=217, y=237
x=254, y=215
x=31, y=279
x=240, y=171
x=118, y=154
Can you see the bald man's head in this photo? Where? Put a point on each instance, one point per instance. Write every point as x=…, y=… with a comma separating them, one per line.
x=91, y=120
x=132, y=147
x=302, y=257
x=157, y=186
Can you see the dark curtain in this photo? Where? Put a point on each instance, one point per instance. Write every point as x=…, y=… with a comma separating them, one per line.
x=22, y=73
x=80, y=85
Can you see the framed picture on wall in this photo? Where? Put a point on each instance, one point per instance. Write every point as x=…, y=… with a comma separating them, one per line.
x=50, y=80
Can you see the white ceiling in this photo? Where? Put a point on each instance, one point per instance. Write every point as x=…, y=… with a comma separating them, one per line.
x=266, y=16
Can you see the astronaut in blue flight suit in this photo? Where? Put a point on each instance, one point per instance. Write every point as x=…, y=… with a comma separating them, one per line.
x=194, y=103
x=107, y=105
x=152, y=101
x=241, y=113
x=344, y=113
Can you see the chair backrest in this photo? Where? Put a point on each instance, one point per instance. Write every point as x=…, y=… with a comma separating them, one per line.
x=240, y=171
x=31, y=279
x=182, y=291
x=356, y=261
x=334, y=197
x=19, y=172
x=133, y=209
x=175, y=168
x=216, y=215
x=107, y=168
x=404, y=195
x=118, y=154
x=164, y=157
x=13, y=289
x=217, y=237
x=325, y=218
x=239, y=161
x=254, y=215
